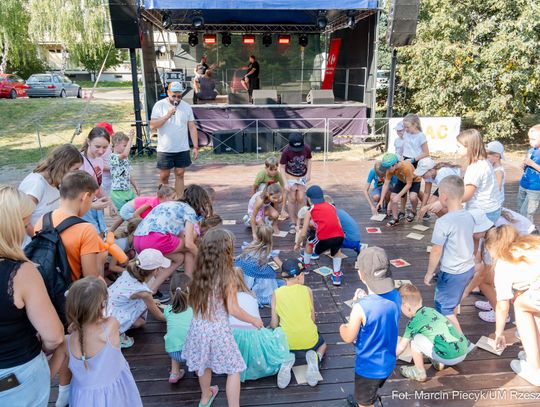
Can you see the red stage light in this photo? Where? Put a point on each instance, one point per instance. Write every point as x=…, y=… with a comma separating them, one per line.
x=248, y=39
x=210, y=38
x=284, y=39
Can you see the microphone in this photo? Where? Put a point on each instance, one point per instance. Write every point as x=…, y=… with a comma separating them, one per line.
x=175, y=104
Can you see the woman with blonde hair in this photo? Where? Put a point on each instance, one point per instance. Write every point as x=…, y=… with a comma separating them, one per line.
x=481, y=190
x=27, y=311
x=517, y=279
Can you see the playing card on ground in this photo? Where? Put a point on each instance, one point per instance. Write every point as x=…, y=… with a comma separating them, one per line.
x=399, y=283
x=300, y=374
x=339, y=255
x=428, y=249
x=229, y=222
x=324, y=271
x=274, y=265
x=488, y=344
x=415, y=236
x=379, y=218
x=349, y=303
x=373, y=230
x=421, y=228
x=281, y=233
x=399, y=263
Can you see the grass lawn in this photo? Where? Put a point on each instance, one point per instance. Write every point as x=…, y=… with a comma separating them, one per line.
x=108, y=84
x=54, y=120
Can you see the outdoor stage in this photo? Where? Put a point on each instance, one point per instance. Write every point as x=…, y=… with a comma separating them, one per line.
x=481, y=371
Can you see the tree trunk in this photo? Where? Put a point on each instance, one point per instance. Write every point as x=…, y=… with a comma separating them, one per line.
x=63, y=65
x=5, y=50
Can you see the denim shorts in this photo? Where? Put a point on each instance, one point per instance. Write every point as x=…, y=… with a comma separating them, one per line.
x=301, y=353
x=449, y=290
x=495, y=215
x=35, y=384
x=375, y=191
x=167, y=161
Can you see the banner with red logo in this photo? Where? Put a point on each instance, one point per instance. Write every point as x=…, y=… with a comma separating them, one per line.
x=328, y=81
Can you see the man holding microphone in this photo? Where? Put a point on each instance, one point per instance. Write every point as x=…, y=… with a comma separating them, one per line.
x=172, y=117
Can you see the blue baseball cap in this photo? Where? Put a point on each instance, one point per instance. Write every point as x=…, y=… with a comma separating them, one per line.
x=315, y=194
x=176, y=87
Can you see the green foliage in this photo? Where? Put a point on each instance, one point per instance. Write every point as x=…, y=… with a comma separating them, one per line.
x=93, y=58
x=28, y=65
x=476, y=59
x=14, y=42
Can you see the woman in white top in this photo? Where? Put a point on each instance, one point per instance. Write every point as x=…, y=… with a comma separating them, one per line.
x=415, y=145
x=42, y=184
x=481, y=190
x=517, y=278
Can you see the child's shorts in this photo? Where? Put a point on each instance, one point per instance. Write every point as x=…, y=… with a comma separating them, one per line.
x=177, y=356
x=365, y=389
x=351, y=244
x=320, y=246
x=449, y=290
x=376, y=191
x=415, y=187
x=127, y=211
x=165, y=243
x=119, y=198
x=301, y=353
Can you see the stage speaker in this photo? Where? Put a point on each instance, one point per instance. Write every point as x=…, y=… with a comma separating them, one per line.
x=264, y=97
x=238, y=98
x=125, y=23
x=281, y=138
x=291, y=98
x=314, y=138
x=264, y=144
x=320, y=97
x=402, y=21
x=228, y=141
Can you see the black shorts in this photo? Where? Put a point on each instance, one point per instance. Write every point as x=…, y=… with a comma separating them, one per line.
x=414, y=163
x=436, y=193
x=415, y=187
x=301, y=353
x=365, y=389
x=167, y=161
x=320, y=246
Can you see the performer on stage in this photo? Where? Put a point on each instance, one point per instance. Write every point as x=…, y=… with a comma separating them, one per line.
x=252, y=73
x=201, y=67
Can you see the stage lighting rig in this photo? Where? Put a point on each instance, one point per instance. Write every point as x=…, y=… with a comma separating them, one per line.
x=226, y=39
x=303, y=40
x=267, y=39
x=321, y=20
x=193, y=39
x=198, y=22
x=166, y=21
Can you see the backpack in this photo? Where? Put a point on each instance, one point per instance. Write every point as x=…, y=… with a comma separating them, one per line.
x=48, y=253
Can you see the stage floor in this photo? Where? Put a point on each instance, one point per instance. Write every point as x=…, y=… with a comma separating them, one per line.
x=482, y=374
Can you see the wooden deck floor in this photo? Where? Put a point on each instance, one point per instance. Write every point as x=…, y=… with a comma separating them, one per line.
x=481, y=375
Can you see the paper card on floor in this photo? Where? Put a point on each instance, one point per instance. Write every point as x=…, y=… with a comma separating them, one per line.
x=406, y=355
x=339, y=255
x=349, y=303
x=229, y=222
x=488, y=344
x=281, y=233
x=373, y=230
x=274, y=265
x=399, y=263
x=399, y=283
x=300, y=374
x=363, y=246
x=421, y=228
x=415, y=236
x=428, y=249
x=324, y=271
x=379, y=218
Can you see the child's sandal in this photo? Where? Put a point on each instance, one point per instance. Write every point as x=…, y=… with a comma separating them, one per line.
x=126, y=341
x=175, y=377
x=411, y=372
x=214, y=390
x=292, y=228
x=411, y=216
x=392, y=222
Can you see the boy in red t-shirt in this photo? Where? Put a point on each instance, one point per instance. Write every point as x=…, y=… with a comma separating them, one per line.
x=328, y=233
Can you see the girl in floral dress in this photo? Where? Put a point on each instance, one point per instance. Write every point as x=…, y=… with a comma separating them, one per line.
x=210, y=345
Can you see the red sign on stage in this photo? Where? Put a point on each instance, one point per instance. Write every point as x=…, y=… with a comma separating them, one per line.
x=328, y=81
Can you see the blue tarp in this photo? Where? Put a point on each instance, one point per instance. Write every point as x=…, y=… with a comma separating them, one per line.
x=260, y=4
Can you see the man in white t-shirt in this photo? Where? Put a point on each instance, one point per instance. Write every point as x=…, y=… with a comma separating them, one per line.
x=172, y=117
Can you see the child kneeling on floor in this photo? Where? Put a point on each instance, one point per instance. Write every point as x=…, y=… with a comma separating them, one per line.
x=293, y=310
x=429, y=333
x=373, y=326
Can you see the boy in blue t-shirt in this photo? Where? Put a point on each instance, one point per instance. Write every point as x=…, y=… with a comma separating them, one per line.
x=373, y=326
x=529, y=185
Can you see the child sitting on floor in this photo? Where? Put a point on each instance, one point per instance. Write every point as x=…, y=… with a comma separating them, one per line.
x=373, y=326
x=327, y=235
x=453, y=245
x=430, y=334
x=265, y=351
x=130, y=298
x=178, y=315
x=259, y=276
x=142, y=205
x=101, y=375
x=261, y=208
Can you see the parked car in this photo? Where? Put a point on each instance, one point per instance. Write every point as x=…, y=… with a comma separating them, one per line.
x=383, y=76
x=52, y=85
x=12, y=86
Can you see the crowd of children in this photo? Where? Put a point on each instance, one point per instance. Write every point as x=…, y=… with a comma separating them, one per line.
x=213, y=321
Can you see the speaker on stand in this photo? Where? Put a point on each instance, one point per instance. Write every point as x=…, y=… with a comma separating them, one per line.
x=125, y=23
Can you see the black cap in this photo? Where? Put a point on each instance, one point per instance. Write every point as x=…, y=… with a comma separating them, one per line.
x=291, y=268
x=296, y=141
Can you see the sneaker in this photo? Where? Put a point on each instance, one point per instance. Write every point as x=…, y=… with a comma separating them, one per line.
x=411, y=372
x=436, y=365
x=351, y=401
x=336, y=279
x=401, y=215
x=426, y=216
x=245, y=219
x=526, y=371
x=284, y=374
x=313, y=256
x=489, y=316
x=392, y=222
x=483, y=305
x=522, y=355
x=126, y=341
x=163, y=298
x=312, y=372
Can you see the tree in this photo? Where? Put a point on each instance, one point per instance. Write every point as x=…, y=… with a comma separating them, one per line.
x=14, y=43
x=92, y=59
x=476, y=59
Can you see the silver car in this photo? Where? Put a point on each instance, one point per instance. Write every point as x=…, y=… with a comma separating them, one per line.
x=52, y=85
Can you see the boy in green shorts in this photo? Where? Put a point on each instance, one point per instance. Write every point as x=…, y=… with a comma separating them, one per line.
x=429, y=333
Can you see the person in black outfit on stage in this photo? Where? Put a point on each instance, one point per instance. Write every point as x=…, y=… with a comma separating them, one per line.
x=252, y=73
